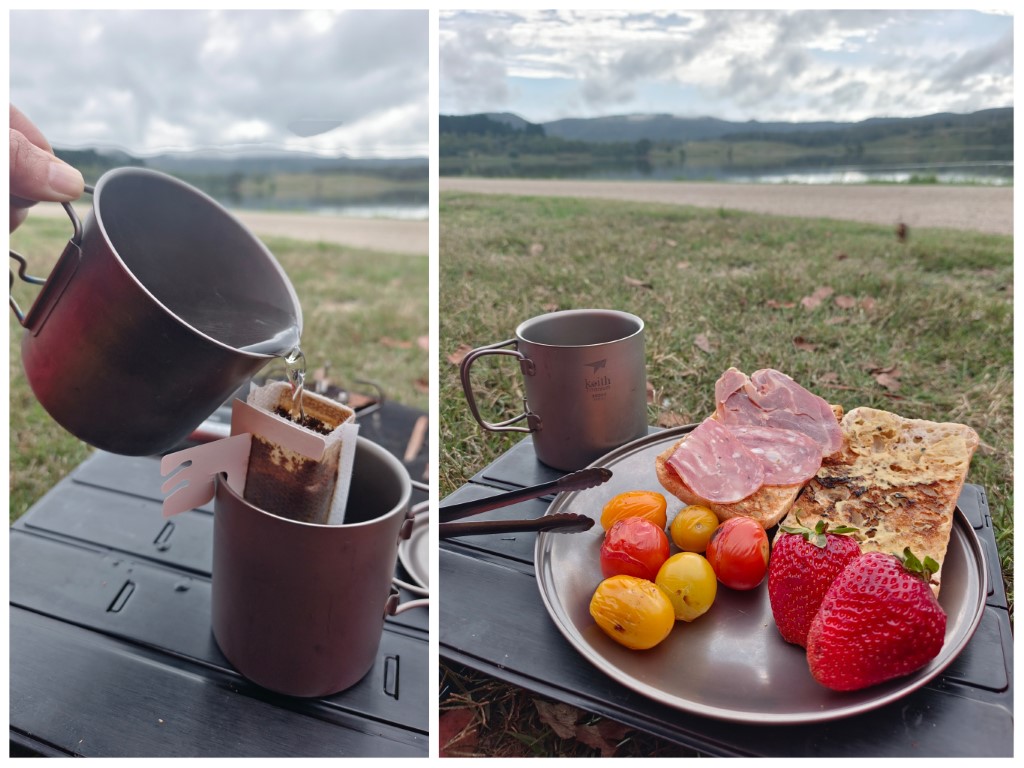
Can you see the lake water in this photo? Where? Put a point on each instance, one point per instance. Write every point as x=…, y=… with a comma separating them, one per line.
x=994, y=173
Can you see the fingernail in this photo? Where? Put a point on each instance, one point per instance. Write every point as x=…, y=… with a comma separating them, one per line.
x=65, y=180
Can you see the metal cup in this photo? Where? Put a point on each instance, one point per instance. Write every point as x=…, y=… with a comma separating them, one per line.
x=136, y=335
x=299, y=608
x=585, y=381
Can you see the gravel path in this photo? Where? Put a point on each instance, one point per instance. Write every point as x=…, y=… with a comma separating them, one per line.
x=982, y=209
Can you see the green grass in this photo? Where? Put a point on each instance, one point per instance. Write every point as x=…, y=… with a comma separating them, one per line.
x=937, y=306
x=365, y=313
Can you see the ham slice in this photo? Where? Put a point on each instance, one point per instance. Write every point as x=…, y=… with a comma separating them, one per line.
x=769, y=398
x=788, y=457
x=715, y=465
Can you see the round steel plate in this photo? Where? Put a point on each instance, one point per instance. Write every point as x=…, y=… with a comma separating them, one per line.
x=731, y=663
x=413, y=552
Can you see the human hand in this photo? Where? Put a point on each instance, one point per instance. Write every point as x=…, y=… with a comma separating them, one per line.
x=36, y=174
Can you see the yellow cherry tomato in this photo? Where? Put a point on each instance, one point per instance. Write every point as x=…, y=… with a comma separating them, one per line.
x=632, y=611
x=691, y=529
x=649, y=505
x=690, y=583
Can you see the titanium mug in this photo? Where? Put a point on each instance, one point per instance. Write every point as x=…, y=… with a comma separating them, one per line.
x=137, y=334
x=299, y=608
x=585, y=381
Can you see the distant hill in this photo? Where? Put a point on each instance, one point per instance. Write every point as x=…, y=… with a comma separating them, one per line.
x=668, y=128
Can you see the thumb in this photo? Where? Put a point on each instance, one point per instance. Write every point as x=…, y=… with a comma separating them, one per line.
x=37, y=175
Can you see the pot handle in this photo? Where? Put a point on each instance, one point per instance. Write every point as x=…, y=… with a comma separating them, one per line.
x=76, y=240
x=526, y=366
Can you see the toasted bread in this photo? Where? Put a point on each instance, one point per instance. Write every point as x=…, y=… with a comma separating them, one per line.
x=897, y=480
x=768, y=505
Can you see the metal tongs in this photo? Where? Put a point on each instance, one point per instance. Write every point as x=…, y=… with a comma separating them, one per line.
x=564, y=522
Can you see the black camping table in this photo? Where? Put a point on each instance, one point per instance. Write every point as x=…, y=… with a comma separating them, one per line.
x=111, y=651
x=493, y=620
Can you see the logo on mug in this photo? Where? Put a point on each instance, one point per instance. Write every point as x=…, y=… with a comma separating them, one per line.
x=597, y=383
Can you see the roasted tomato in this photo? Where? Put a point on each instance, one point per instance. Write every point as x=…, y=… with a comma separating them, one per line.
x=647, y=504
x=692, y=527
x=635, y=547
x=738, y=552
x=633, y=612
x=689, y=581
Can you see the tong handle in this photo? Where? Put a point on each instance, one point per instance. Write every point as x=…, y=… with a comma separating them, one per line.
x=566, y=522
x=575, y=481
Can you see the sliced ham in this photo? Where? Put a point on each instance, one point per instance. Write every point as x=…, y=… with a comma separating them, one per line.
x=788, y=457
x=716, y=465
x=769, y=398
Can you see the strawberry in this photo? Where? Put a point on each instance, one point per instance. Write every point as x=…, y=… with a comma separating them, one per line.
x=803, y=565
x=879, y=620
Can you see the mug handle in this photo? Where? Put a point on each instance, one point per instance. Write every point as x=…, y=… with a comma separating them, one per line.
x=526, y=366
x=76, y=241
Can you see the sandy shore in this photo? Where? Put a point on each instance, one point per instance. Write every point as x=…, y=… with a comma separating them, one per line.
x=390, y=235
x=982, y=209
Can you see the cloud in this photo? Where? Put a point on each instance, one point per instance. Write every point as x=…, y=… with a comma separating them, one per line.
x=149, y=81
x=738, y=65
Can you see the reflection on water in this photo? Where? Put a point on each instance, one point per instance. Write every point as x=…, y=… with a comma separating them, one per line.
x=994, y=173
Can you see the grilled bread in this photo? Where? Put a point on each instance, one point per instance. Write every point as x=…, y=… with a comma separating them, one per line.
x=767, y=505
x=897, y=480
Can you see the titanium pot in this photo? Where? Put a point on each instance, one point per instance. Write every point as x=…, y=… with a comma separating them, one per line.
x=137, y=334
x=299, y=608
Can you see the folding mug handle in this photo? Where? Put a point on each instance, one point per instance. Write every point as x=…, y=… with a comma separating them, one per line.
x=76, y=241
x=526, y=366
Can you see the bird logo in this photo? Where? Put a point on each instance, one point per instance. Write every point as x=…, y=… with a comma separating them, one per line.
x=597, y=365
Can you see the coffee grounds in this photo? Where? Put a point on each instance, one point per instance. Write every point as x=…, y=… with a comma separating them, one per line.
x=307, y=421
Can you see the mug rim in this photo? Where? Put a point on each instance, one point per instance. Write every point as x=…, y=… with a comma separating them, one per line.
x=527, y=324
x=361, y=443
x=174, y=181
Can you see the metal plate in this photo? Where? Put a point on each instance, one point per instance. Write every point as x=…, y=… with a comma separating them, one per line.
x=414, y=552
x=731, y=663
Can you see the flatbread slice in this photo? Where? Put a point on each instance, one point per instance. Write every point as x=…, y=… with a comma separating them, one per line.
x=897, y=480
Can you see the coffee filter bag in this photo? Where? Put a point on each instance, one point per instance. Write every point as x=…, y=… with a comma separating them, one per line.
x=291, y=483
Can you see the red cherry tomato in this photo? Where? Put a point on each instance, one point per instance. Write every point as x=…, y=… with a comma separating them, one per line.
x=738, y=553
x=634, y=547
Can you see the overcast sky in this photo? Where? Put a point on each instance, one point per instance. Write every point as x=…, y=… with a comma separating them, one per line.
x=353, y=83
x=734, y=65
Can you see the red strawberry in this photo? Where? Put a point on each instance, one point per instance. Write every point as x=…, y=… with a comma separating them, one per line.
x=878, y=621
x=803, y=565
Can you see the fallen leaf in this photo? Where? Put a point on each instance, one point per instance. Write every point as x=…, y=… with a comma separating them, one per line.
x=387, y=341
x=814, y=300
x=841, y=256
x=672, y=419
x=888, y=381
x=636, y=283
x=536, y=249
x=837, y=319
x=801, y=343
x=456, y=357
x=773, y=304
x=671, y=243
x=423, y=342
x=867, y=304
x=650, y=392
x=604, y=736
x=703, y=344
x=892, y=369
x=830, y=377
x=453, y=730
x=845, y=302
x=422, y=385
x=561, y=718
x=682, y=265
x=550, y=307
